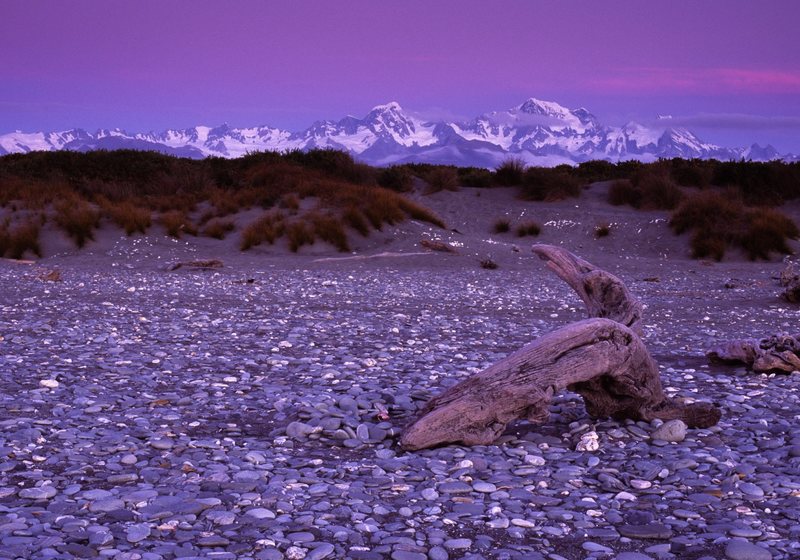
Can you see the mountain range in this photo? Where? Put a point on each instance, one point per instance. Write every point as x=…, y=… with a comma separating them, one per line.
x=537, y=132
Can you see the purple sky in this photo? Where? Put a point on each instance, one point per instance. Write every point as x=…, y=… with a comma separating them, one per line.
x=729, y=69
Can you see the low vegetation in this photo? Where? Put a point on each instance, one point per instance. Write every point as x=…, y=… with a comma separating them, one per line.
x=502, y=225
x=326, y=196
x=19, y=240
x=528, y=229
x=550, y=185
x=602, y=230
x=321, y=195
x=717, y=221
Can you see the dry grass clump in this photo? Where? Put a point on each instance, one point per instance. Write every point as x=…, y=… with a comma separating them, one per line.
x=646, y=191
x=329, y=229
x=127, y=215
x=441, y=178
x=176, y=222
x=396, y=178
x=418, y=212
x=719, y=220
x=510, y=173
x=265, y=229
x=528, y=229
x=501, y=225
x=550, y=185
x=290, y=201
x=17, y=240
x=602, y=230
x=217, y=228
x=77, y=218
x=353, y=218
x=475, y=177
x=299, y=233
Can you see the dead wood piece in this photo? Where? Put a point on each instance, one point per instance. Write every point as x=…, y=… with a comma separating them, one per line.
x=197, y=265
x=437, y=246
x=790, y=280
x=775, y=354
x=604, y=294
x=50, y=276
x=604, y=361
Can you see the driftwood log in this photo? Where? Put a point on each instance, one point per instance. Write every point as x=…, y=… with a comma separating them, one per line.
x=790, y=280
x=601, y=358
x=779, y=353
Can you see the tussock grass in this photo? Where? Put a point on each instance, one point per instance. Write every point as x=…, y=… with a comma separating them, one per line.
x=127, y=215
x=353, y=218
x=549, y=185
x=299, y=233
x=528, y=229
x=719, y=220
x=266, y=229
x=176, y=222
x=501, y=225
x=602, y=230
x=510, y=173
x=646, y=191
x=441, y=178
x=396, y=178
x=19, y=239
x=218, y=228
x=475, y=177
x=78, y=218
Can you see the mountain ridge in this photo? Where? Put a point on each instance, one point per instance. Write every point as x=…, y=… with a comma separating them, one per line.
x=537, y=132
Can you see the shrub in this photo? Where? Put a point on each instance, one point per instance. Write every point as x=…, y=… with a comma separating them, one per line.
x=441, y=178
x=475, y=177
x=127, y=216
x=767, y=230
x=658, y=193
x=396, y=178
x=602, y=230
x=718, y=220
x=177, y=223
x=334, y=163
x=501, y=225
x=77, y=218
x=267, y=228
x=17, y=240
x=549, y=185
x=705, y=246
x=623, y=192
x=528, y=228
x=646, y=191
x=510, y=173
x=218, y=229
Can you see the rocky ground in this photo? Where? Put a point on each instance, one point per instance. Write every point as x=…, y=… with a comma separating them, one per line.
x=253, y=411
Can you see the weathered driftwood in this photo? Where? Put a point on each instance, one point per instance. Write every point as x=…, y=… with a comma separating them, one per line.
x=604, y=294
x=600, y=358
x=790, y=280
x=776, y=354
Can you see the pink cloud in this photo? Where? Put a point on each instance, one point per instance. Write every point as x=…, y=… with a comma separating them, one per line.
x=693, y=80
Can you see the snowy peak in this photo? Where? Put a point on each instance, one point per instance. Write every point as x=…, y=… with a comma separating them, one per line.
x=536, y=131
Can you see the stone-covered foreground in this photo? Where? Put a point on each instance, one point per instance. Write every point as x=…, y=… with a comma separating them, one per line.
x=148, y=414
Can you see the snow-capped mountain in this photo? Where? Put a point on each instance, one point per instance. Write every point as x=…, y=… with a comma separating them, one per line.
x=538, y=132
